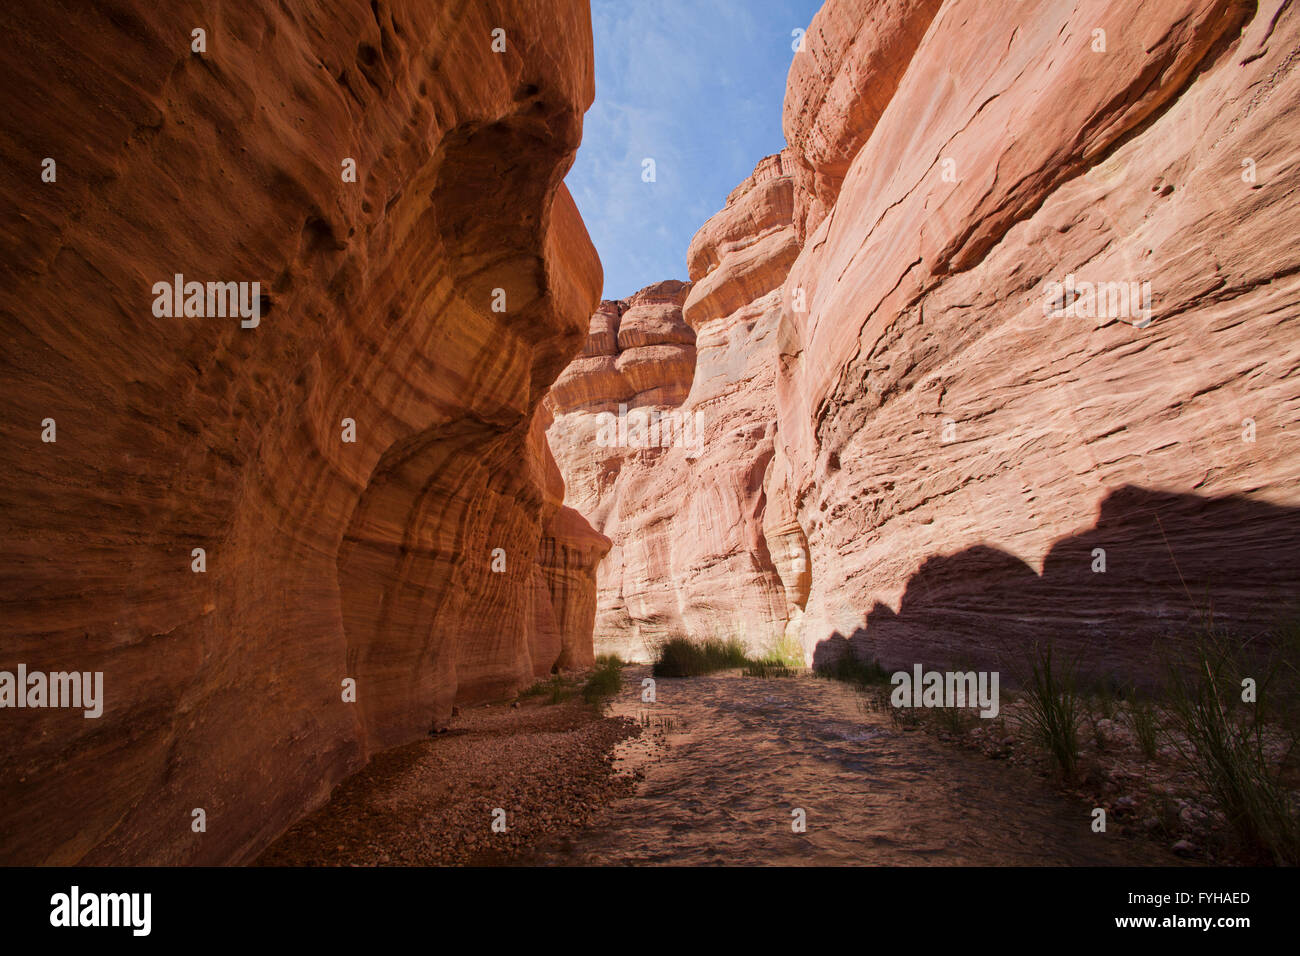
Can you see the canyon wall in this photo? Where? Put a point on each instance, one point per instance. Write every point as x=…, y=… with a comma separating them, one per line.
x=362, y=462
x=1030, y=335
x=976, y=466
x=689, y=368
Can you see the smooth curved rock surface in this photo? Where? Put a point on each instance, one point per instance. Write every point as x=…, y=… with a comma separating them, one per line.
x=855, y=54
x=325, y=559
x=929, y=408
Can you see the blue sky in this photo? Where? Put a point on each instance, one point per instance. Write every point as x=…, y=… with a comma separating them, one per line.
x=698, y=87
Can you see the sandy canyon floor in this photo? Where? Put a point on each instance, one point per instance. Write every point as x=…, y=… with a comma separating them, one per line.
x=714, y=771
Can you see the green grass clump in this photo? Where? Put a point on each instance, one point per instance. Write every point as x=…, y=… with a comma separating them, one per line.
x=783, y=658
x=1052, y=709
x=687, y=657
x=557, y=689
x=768, y=669
x=605, y=680
x=1223, y=739
x=785, y=651
x=854, y=670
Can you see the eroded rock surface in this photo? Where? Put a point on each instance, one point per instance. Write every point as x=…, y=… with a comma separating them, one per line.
x=930, y=410
x=326, y=560
x=927, y=446
x=690, y=554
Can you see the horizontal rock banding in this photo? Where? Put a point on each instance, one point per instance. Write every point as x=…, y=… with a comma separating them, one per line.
x=689, y=552
x=327, y=559
x=942, y=458
x=929, y=408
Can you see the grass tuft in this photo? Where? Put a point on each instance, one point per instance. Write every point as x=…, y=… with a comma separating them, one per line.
x=1223, y=739
x=685, y=657
x=768, y=669
x=854, y=670
x=1052, y=709
x=556, y=689
x=605, y=680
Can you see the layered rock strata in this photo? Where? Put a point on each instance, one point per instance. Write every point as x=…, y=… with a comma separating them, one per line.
x=686, y=514
x=237, y=517
x=1030, y=371
x=982, y=456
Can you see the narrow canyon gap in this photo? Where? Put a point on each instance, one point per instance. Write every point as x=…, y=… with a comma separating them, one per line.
x=906, y=454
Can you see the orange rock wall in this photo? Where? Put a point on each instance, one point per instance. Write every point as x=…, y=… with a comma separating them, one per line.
x=325, y=559
x=957, y=457
x=689, y=551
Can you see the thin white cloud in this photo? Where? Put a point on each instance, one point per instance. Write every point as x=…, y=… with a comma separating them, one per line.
x=695, y=87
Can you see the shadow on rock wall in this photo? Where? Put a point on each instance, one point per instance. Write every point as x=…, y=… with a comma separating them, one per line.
x=1170, y=559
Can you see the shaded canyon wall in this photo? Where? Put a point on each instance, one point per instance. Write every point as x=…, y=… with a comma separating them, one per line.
x=430, y=302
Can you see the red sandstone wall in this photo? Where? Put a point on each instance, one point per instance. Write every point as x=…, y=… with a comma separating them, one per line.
x=955, y=456
x=932, y=465
x=325, y=560
x=690, y=553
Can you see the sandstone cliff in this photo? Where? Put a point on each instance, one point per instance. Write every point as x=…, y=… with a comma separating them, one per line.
x=686, y=517
x=954, y=431
x=960, y=450
x=421, y=307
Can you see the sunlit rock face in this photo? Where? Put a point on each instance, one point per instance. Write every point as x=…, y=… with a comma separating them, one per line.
x=966, y=444
x=686, y=515
x=1000, y=349
x=428, y=304
x=854, y=56
x=640, y=354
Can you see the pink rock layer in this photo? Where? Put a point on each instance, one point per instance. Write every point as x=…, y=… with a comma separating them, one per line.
x=431, y=302
x=938, y=454
x=685, y=516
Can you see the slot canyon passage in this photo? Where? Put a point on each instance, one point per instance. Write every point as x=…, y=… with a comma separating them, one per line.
x=998, y=354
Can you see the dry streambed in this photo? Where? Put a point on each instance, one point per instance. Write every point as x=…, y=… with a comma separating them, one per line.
x=717, y=770
x=433, y=802
x=740, y=757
